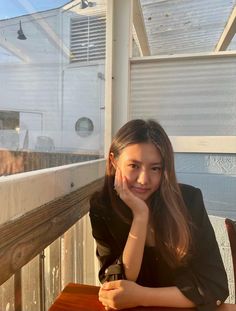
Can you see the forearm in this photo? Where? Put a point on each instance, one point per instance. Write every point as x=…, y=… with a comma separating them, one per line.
x=164, y=297
x=133, y=251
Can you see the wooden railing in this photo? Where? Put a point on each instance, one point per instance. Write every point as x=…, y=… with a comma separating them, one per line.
x=27, y=246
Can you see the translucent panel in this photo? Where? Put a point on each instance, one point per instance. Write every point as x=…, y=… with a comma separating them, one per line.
x=183, y=26
x=43, y=95
x=189, y=96
x=9, y=9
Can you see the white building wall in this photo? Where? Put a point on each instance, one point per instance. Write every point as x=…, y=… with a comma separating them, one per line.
x=36, y=78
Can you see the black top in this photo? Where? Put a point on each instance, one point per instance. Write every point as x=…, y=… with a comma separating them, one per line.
x=203, y=280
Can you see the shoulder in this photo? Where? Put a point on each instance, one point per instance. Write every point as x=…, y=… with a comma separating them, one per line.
x=193, y=200
x=98, y=208
x=189, y=192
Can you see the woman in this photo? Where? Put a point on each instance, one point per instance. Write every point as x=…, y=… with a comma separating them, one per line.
x=157, y=228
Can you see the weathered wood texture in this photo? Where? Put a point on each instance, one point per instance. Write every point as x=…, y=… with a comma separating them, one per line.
x=12, y=162
x=22, y=239
x=7, y=299
x=31, y=286
x=18, y=290
x=79, y=297
x=52, y=272
x=68, y=253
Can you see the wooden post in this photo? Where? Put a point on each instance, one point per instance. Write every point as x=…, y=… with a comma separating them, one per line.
x=18, y=290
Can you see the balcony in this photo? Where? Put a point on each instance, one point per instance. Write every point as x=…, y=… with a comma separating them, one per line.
x=59, y=112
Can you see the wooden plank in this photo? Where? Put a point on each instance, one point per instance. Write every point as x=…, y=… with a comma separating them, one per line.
x=90, y=273
x=52, y=272
x=157, y=58
x=41, y=273
x=228, y=33
x=22, y=239
x=79, y=251
x=22, y=193
x=7, y=299
x=204, y=144
x=18, y=290
x=68, y=253
x=30, y=286
x=140, y=30
x=13, y=162
x=79, y=297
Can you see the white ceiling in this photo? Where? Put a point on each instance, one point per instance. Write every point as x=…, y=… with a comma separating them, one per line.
x=185, y=26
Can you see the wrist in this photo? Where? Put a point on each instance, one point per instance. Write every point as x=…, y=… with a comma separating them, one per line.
x=141, y=216
x=140, y=294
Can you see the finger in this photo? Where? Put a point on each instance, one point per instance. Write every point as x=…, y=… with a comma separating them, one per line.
x=111, y=285
x=125, y=184
x=105, y=302
x=118, y=181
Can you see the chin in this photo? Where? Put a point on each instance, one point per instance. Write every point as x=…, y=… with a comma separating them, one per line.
x=142, y=196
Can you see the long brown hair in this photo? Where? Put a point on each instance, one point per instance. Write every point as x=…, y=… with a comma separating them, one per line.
x=167, y=207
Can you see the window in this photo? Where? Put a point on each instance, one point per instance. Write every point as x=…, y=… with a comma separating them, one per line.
x=88, y=36
x=84, y=127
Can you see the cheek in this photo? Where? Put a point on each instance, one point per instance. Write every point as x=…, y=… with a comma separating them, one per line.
x=127, y=173
x=157, y=182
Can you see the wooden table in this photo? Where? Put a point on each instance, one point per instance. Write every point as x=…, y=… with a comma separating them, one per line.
x=77, y=297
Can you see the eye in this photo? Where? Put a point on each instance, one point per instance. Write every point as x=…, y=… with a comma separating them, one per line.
x=156, y=168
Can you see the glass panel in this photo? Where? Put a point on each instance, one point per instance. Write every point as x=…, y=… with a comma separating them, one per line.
x=43, y=94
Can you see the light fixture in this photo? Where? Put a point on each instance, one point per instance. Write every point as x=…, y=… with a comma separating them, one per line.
x=21, y=35
x=85, y=3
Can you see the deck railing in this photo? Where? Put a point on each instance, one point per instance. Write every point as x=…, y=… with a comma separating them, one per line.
x=48, y=245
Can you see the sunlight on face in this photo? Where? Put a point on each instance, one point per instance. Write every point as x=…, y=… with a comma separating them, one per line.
x=142, y=166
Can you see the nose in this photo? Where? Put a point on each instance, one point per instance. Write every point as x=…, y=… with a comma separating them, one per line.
x=143, y=177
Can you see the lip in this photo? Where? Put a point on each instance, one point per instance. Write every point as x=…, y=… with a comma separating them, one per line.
x=140, y=190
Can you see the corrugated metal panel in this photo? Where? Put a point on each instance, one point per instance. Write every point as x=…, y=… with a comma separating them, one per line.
x=88, y=38
x=183, y=26
x=189, y=96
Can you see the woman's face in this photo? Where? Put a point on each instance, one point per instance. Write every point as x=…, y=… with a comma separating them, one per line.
x=141, y=164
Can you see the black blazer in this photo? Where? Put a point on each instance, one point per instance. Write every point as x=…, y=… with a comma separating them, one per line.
x=203, y=280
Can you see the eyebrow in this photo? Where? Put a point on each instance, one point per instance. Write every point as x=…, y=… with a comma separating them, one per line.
x=135, y=161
